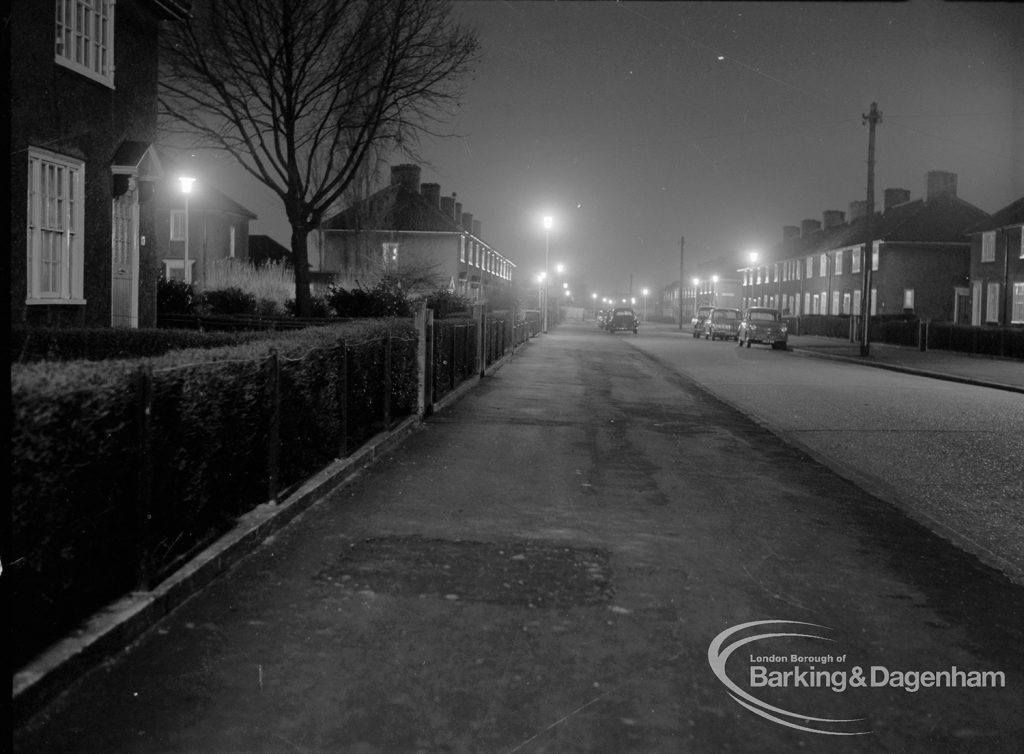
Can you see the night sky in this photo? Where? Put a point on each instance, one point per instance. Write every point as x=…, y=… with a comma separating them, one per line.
x=634, y=123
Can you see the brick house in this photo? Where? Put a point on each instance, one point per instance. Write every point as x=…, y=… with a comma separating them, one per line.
x=996, y=292
x=920, y=258
x=410, y=228
x=218, y=229
x=83, y=82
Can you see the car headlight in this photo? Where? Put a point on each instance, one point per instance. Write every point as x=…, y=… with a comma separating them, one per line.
x=784, y=328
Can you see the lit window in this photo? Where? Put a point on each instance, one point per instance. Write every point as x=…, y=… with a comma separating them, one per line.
x=462, y=248
x=55, y=217
x=390, y=254
x=876, y=251
x=177, y=225
x=908, y=298
x=988, y=246
x=992, y=302
x=174, y=269
x=85, y=38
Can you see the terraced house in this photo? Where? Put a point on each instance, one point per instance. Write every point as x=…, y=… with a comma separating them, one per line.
x=996, y=292
x=920, y=258
x=410, y=230
x=83, y=168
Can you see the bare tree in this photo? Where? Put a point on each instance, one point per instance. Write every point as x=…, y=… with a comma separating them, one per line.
x=302, y=92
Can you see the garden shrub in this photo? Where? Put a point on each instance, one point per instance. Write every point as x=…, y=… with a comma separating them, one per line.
x=221, y=301
x=174, y=296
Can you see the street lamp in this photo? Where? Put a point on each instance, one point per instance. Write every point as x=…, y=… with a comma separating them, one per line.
x=644, y=292
x=548, y=222
x=186, y=189
x=752, y=256
x=696, y=295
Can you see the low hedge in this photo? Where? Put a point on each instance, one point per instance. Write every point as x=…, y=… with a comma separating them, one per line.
x=32, y=344
x=84, y=474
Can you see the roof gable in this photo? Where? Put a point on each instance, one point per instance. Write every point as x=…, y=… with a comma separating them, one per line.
x=1010, y=215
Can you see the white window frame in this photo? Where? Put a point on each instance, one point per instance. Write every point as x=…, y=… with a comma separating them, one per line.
x=876, y=253
x=1017, y=313
x=462, y=249
x=992, y=302
x=855, y=255
x=988, y=246
x=84, y=38
x=824, y=266
x=857, y=299
x=847, y=301
x=178, y=264
x=177, y=225
x=908, y=298
x=839, y=262
x=1021, y=241
x=874, y=302
x=55, y=228
x=231, y=241
x=810, y=268
x=389, y=254
x=835, y=302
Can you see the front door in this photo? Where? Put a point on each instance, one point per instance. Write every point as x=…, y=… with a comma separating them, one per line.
x=124, y=240
x=962, y=307
x=976, y=303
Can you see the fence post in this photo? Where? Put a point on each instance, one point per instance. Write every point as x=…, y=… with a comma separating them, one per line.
x=344, y=400
x=480, y=315
x=144, y=491
x=922, y=335
x=452, y=366
x=274, y=427
x=387, y=382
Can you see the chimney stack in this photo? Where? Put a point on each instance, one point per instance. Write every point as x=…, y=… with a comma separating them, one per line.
x=432, y=193
x=833, y=217
x=407, y=176
x=895, y=197
x=448, y=206
x=790, y=231
x=467, y=221
x=809, y=226
x=939, y=183
x=858, y=209
x=457, y=216
x=477, y=228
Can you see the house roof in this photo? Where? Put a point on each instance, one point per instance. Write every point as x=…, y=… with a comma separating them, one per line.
x=137, y=158
x=393, y=208
x=1011, y=214
x=264, y=247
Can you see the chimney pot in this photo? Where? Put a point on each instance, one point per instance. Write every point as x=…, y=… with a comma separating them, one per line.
x=448, y=206
x=895, y=197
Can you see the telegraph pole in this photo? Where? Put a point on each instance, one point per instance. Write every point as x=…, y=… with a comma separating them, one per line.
x=682, y=244
x=873, y=118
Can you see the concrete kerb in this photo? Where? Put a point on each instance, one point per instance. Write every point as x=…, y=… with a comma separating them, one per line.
x=118, y=624
x=907, y=370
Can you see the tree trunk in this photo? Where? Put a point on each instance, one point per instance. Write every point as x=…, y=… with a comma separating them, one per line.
x=300, y=263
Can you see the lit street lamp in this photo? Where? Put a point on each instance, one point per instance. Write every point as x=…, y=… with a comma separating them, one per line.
x=548, y=222
x=186, y=189
x=644, y=292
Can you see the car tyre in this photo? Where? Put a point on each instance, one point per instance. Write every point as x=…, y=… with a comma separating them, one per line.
x=748, y=342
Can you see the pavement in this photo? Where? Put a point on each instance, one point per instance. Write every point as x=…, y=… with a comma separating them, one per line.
x=1002, y=374
x=533, y=569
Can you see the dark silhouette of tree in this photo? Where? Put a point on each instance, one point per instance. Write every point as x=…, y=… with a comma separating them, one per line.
x=301, y=92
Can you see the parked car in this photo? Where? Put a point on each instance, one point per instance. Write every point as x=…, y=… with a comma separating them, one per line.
x=722, y=323
x=602, y=318
x=762, y=325
x=623, y=319
x=697, y=323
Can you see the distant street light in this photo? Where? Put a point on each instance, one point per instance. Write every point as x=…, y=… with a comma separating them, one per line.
x=186, y=189
x=644, y=292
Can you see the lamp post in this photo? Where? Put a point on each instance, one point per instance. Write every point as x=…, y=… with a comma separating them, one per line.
x=186, y=189
x=696, y=294
x=714, y=290
x=752, y=256
x=548, y=221
x=644, y=292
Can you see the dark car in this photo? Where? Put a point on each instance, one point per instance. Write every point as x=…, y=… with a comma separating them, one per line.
x=622, y=319
x=697, y=323
x=763, y=325
x=722, y=323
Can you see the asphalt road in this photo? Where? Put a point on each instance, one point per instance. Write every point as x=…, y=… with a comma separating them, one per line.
x=948, y=454
x=559, y=563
